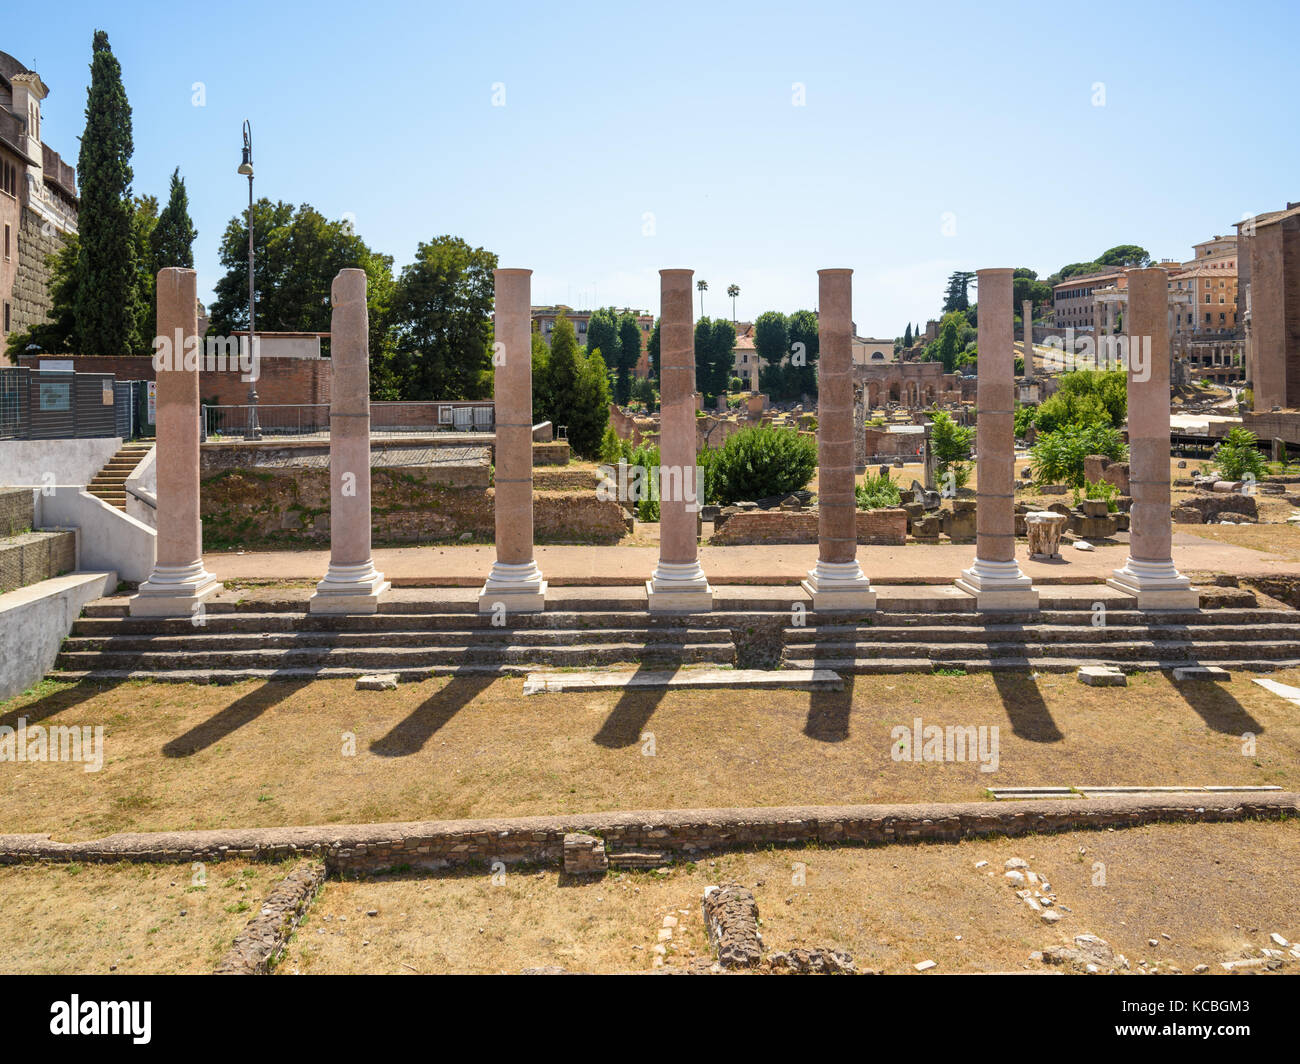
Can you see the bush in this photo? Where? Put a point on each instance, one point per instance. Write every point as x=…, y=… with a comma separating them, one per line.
x=1098, y=489
x=1238, y=456
x=1057, y=457
x=613, y=449
x=951, y=443
x=877, y=492
x=1024, y=420
x=757, y=463
x=647, y=509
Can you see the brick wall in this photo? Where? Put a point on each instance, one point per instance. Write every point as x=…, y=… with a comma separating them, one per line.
x=282, y=380
x=16, y=511
x=877, y=527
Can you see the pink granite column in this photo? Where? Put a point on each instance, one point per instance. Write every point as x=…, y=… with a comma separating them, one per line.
x=995, y=579
x=837, y=581
x=1149, y=574
x=515, y=583
x=351, y=584
x=678, y=583
x=179, y=583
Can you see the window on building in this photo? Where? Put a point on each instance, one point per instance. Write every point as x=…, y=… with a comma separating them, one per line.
x=7, y=238
x=8, y=177
x=6, y=318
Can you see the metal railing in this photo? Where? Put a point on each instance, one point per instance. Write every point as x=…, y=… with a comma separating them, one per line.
x=307, y=420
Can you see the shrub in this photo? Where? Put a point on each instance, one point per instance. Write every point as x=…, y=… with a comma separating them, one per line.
x=951, y=443
x=877, y=492
x=647, y=509
x=759, y=462
x=1024, y=420
x=1057, y=457
x=1238, y=456
x=1098, y=489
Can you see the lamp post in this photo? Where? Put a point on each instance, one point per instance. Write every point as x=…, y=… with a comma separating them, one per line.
x=253, y=431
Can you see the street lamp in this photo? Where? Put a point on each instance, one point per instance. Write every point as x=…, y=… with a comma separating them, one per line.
x=253, y=431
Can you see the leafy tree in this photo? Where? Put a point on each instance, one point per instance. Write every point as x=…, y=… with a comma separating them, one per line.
x=652, y=350
x=951, y=445
x=760, y=462
x=1124, y=255
x=771, y=345
x=1237, y=456
x=107, y=297
x=562, y=370
x=947, y=346
x=144, y=223
x=588, y=407
x=629, y=336
x=956, y=295
x=543, y=401
x=715, y=344
x=440, y=316
x=172, y=242
x=602, y=334
x=801, y=380
x=1057, y=457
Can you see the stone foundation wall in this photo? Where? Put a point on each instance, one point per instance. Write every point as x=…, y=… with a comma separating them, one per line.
x=875, y=527
x=17, y=513
x=674, y=833
x=36, y=556
x=415, y=504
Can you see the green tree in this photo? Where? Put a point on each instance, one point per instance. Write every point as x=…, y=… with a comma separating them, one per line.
x=947, y=346
x=629, y=354
x=1057, y=457
x=907, y=336
x=1124, y=255
x=733, y=290
x=172, y=242
x=106, y=303
x=715, y=344
x=652, y=350
x=588, y=406
x=563, y=367
x=957, y=294
x=951, y=445
x=543, y=400
x=805, y=347
x=1237, y=456
x=144, y=223
x=701, y=286
x=441, y=320
x=771, y=345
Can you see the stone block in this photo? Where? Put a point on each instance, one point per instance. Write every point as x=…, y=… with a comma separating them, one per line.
x=584, y=855
x=1101, y=676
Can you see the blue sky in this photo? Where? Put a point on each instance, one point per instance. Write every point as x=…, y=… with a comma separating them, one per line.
x=983, y=114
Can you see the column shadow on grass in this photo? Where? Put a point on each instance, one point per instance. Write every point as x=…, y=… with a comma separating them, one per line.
x=1025, y=707
x=829, y=713
x=1217, y=706
x=636, y=705
x=410, y=735
x=244, y=710
x=58, y=701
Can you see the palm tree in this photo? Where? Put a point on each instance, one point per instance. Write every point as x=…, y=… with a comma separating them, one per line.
x=733, y=290
x=701, y=287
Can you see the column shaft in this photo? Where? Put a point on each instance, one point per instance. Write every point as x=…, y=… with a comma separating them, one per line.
x=179, y=583
x=351, y=584
x=515, y=582
x=995, y=578
x=1149, y=573
x=837, y=582
x=678, y=582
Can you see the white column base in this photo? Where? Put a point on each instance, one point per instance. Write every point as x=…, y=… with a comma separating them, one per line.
x=348, y=589
x=678, y=587
x=516, y=587
x=998, y=586
x=1156, y=586
x=174, y=591
x=839, y=586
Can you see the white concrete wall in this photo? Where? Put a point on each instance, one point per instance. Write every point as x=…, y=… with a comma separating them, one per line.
x=142, y=490
x=109, y=538
x=35, y=620
x=39, y=462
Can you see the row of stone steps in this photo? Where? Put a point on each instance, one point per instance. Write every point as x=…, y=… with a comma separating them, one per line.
x=109, y=484
x=893, y=666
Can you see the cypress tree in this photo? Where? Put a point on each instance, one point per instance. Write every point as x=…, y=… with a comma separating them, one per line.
x=173, y=237
x=107, y=298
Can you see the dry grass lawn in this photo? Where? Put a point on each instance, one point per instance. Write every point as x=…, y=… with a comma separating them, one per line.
x=275, y=753
x=85, y=919
x=1217, y=890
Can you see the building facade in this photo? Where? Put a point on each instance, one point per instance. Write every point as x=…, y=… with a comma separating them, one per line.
x=38, y=201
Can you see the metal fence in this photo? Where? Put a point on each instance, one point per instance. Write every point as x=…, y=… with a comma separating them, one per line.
x=313, y=419
x=49, y=405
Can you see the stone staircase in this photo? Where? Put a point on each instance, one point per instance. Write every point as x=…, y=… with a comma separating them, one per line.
x=423, y=633
x=1053, y=640
x=109, y=483
x=233, y=646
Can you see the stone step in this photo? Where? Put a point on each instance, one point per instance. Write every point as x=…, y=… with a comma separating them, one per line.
x=826, y=634
x=200, y=639
x=887, y=666
x=397, y=657
x=228, y=676
x=1132, y=650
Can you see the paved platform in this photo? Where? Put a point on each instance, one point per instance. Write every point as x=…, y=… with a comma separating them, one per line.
x=773, y=565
